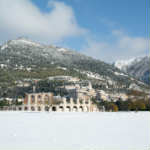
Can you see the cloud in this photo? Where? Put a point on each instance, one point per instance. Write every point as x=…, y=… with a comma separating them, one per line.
x=121, y=47
x=23, y=18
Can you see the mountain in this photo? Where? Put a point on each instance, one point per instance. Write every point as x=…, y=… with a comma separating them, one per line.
x=23, y=58
x=138, y=67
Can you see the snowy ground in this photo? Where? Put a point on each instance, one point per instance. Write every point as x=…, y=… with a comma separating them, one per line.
x=88, y=131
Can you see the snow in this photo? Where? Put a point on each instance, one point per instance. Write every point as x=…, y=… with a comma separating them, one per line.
x=120, y=74
x=25, y=42
x=62, y=50
x=103, y=130
x=3, y=65
x=4, y=46
x=91, y=74
x=122, y=64
x=63, y=68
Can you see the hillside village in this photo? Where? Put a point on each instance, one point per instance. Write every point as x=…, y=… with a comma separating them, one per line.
x=76, y=88
x=72, y=94
x=66, y=74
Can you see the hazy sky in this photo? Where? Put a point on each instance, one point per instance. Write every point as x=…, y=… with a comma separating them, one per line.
x=105, y=29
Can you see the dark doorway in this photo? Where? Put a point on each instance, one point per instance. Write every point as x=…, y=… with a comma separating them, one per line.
x=39, y=108
x=32, y=108
x=26, y=108
x=46, y=108
x=53, y=108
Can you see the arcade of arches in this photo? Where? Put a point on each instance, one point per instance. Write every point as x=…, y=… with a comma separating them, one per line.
x=48, y=102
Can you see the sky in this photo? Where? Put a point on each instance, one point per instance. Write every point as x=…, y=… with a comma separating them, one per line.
x=108, y=30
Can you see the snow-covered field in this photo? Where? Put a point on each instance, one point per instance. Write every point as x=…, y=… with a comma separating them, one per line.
x=88, y=131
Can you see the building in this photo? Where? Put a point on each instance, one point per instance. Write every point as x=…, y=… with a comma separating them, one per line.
x=79, y=91
x=48, y=102
x=64, y=78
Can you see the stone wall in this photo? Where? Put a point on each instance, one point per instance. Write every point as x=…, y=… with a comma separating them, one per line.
x=46, y=102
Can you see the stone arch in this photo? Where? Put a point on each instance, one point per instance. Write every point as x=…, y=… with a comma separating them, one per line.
x=32, y=108
x=39, y=108
x=39, y=99
x=68, y=108
x=51, y=98
x=5, y=108
x=94, y=109
x=20, y=108
x=14, y=109
x=81, y=101
x=26, y=100
x=68, y=100
x=46, y=99
x=75, y=108
x=74, y=101
x=32, y=99
x=54, y=108
x=86, y=101
x=25, y=108
x=80, y=108
x=10, y=108
x=61, y=108
x=46, y=108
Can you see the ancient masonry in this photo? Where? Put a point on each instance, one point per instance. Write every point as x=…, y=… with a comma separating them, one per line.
x=48, y=102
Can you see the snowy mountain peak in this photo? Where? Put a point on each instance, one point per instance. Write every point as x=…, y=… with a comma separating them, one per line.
x=137, y=67
x=123, y=64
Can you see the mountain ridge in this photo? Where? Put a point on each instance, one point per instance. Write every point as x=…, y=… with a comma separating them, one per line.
x=26, y=54
x=138, y=67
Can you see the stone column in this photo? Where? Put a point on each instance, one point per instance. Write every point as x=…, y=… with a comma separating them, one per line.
x=83, y=105
x=42, y=107
x=50, y=98
x=71, y=101
x=50, y=108
x=29, y=99
x=36, y=99
x=57, y=108
x=64, y=103
x=83, y=101
x=71, y=104
x=42, y=99
x=29, y=102
x=78, y=102
x=89, y=105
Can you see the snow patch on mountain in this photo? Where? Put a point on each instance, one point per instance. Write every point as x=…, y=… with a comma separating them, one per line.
x=123, y=64
x=91, y=74
x=63, y=68
x=120, y=74
x=62, y=50
x=23, y=41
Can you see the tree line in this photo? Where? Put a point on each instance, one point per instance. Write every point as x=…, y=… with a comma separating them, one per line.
x=128, y=105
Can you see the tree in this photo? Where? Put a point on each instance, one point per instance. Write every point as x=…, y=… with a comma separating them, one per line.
x=147, y=104
x=140, y=105
x=122, y=105
x=115, y=108
x=112, y=107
